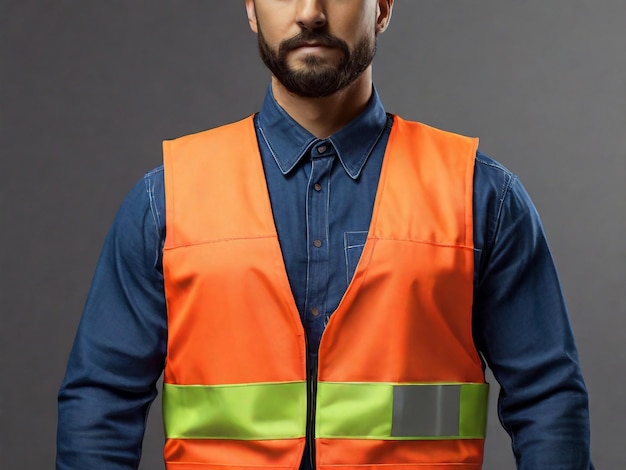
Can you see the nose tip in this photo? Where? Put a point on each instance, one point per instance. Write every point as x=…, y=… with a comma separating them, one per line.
x=311, y=25
x=311, y=15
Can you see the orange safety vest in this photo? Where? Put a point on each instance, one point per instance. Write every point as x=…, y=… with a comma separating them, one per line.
x=400, y=382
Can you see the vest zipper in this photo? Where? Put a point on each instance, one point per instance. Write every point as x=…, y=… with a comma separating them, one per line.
x=312, y=389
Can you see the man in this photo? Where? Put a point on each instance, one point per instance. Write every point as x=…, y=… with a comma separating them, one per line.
x=319, y=283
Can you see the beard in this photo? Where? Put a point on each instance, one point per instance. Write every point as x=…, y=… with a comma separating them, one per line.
x=318, y=78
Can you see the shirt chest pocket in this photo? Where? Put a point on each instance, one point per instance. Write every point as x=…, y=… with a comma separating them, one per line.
x=353, y=243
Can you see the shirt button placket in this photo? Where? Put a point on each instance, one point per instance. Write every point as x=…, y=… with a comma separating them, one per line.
x=322, y=158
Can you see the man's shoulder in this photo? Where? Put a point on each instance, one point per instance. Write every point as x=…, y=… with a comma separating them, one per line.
x=492, y=165
x=490, y=176
x=485, y=165
x=489, y=173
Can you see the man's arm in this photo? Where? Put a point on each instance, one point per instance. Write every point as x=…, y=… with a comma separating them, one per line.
x=120, y=346
x=522, y=328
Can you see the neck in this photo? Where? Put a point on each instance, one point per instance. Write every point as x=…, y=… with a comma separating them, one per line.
x=322, y=117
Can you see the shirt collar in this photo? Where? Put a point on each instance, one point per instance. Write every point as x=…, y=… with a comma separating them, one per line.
x=289, y=142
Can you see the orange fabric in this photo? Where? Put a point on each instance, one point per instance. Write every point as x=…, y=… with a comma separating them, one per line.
x=219, y=227
x=222, y=454
x=406, y=316
x=413, y=286
x=418, y=455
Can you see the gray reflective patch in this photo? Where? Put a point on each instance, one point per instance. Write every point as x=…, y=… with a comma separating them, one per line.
x=426, y=410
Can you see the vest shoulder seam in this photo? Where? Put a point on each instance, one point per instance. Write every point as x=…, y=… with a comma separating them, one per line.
x=218, y=240
x=424, y=242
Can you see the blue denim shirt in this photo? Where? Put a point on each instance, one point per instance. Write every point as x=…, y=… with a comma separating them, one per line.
x=322, y=193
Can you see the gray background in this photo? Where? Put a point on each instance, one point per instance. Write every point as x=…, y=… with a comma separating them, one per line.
x=90, y=88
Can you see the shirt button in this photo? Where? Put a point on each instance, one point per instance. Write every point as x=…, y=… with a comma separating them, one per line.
x=315, y=311
x=321, y=149
x=317, y=243
x=317, y=187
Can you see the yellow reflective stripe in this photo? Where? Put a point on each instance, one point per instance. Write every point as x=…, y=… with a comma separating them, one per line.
x=401, y=411
x=241, y=412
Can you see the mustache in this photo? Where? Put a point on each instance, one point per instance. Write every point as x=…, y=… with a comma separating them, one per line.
x=307, y=37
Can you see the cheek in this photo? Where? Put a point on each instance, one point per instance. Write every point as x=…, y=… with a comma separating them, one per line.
x=277, y=23
x=355, y=24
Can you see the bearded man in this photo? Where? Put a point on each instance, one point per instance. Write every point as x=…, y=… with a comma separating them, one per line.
x=322, y=284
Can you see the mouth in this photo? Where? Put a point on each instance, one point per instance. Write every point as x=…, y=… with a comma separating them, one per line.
x=310, y=45
x=310, y=48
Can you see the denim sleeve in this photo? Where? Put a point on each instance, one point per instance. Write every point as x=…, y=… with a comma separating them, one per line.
x=522, y=328
x=119, y=349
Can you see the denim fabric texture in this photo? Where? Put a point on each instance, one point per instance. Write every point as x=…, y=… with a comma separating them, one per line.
x=322, y=193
